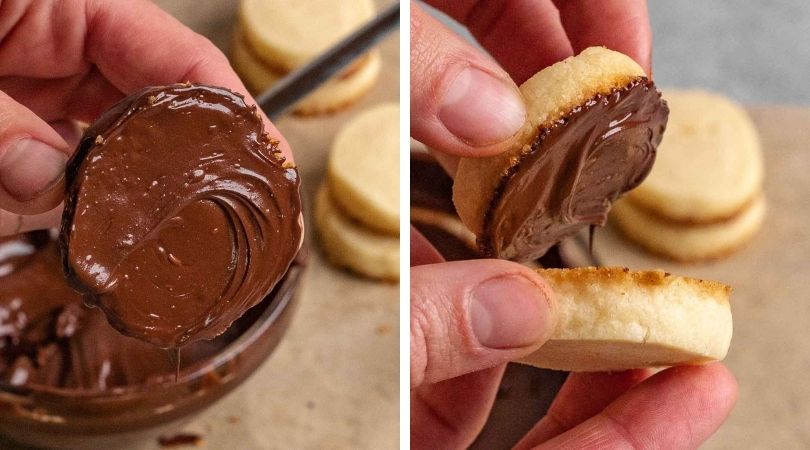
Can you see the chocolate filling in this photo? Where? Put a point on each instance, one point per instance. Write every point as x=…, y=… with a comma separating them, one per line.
x=574, y=170
x=180, y=215
x=48, y=338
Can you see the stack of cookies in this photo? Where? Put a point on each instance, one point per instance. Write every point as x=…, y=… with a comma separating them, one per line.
x=703, y=198
x=357, y=208
x=275, y=37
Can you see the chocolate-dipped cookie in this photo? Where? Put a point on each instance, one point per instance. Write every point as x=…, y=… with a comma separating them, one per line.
x=180, y=213
x=594, y=121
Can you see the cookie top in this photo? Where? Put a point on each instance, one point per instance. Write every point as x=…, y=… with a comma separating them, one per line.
x=709, y=165
x=289, y=33
x=594, y=123
x=180, y=213
x=363, y=168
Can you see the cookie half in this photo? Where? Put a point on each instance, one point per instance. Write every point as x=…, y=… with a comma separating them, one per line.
x=709, y=166
x=689, y=242
x=363, y=168
x=336, y=94
x=612, y=318
x=287, y=34
x=349, y=244
x=594, y=121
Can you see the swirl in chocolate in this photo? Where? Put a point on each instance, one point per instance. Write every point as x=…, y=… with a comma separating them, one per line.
x=180, y=213
x=574, y=170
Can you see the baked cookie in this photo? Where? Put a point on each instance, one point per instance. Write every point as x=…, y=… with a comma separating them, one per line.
x=363, y=168
x=709, y=165
x=275, y=37
x=689, y=242
x=612, y=318
x=703, y=198
x=349, y=244
x=594, y=121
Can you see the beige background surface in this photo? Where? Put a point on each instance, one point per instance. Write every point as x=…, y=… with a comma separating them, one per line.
x=769, y=354
x=333, y=383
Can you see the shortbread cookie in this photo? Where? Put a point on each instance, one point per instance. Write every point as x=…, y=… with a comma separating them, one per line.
x=612, y=318
x=275, y=37
x=336, y=94
x=709, y=166
x=349, y=244
x=689, y=242
x=594, y=121
x=363, y=169
x=287, y=34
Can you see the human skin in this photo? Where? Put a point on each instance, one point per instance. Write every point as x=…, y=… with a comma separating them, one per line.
x=63, y=61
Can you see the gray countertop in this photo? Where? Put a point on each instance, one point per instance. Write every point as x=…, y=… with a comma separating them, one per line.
x=755, y=51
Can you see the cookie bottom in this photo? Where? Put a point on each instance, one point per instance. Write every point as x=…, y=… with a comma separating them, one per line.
x=611, y=318
x=692, y=242
x=336, y=94
x=348, y=244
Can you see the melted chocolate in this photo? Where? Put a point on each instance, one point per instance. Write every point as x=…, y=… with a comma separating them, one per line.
x=432, y=189
x=180, y=215
x=574, y=171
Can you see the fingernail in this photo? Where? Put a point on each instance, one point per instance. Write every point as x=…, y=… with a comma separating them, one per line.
x=481, y=109
x=509, y=312
x=29, y=167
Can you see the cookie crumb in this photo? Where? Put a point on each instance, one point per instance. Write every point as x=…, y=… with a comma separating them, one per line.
x=233, y=419
x=180, y=439
x=99, y=140
x=310, y=405
x=383, y=329
x=288, y=165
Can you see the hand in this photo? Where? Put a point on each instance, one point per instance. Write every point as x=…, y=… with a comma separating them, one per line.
x=469, y=318
x=465, y=104
x=66, y=61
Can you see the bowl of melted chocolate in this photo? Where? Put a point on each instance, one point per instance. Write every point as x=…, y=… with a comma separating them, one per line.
x=68, y=379
x=172, y=278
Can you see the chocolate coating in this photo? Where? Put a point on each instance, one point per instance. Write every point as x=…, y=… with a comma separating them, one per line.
x=432, y=189
x=575, y=169
x=48, y=338
x=180, y=213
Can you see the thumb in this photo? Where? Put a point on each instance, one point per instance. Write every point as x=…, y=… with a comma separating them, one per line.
x=32, y=160
x=471, y=315
x=462, y=102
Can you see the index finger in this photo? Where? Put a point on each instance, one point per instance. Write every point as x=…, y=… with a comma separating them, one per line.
x=136, y=44
x=621, y=25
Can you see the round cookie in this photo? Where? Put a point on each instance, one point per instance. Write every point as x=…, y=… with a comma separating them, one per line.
x=594, y=121
x=709, y=164
x=688, y=242
x=612, y=318
x=287, y=34
x=363, y=168
x=335, y=94
x=350, y=245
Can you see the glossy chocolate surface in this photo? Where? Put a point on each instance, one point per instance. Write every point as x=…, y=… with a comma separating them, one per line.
x=181, y=214
x=574, y=171
x=48, y=338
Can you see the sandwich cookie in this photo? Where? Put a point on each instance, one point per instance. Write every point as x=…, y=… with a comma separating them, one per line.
x=703, y=198
x=357, y=209
x=275, y=37
x=353, y=246
x=594, y=122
